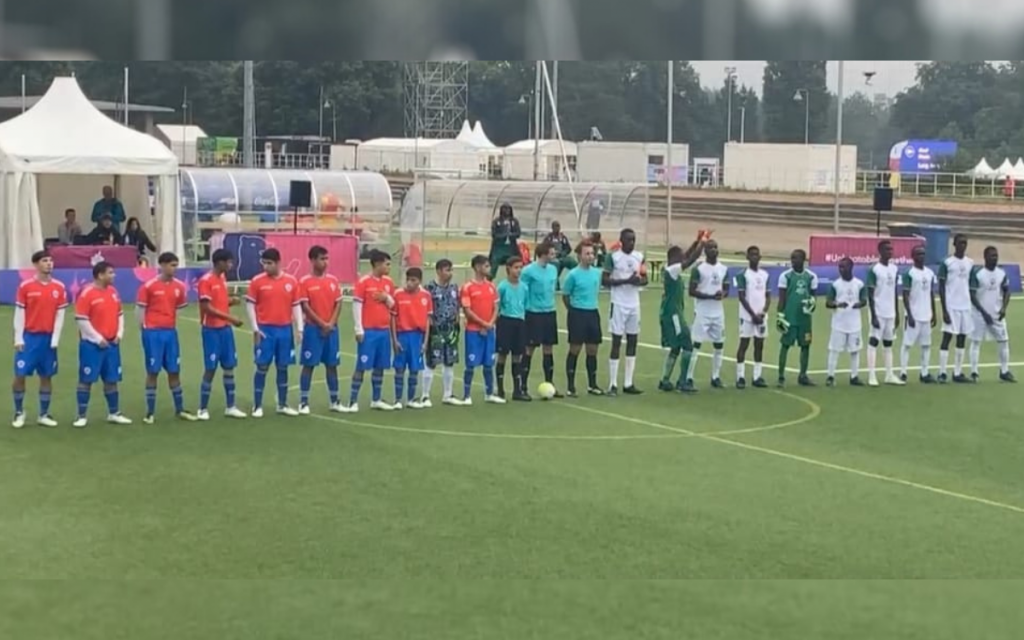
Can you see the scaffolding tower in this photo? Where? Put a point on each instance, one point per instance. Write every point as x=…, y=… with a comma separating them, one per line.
x=436, y=98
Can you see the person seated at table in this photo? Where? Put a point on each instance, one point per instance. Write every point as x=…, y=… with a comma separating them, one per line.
x=111, y=206
x=69, y=229
x=136, y=236
x=563, y=249
x=105, y=233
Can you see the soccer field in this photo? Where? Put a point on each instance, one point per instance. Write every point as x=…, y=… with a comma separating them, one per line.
x=844, y=483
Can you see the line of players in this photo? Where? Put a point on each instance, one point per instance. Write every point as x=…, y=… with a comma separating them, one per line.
x=416, y=329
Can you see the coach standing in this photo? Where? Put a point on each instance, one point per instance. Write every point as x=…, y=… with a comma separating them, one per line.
x=540, y=278
x=505, y=232
x=580, y=293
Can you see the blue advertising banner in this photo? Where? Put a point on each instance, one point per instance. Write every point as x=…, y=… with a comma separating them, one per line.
x=920, y=156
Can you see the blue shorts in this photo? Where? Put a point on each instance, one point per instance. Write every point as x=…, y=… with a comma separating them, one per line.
x=161, y=350
x=480, y=349
x=411, y=355
x=374, y=352
x=317, y=349
x=37, y=358
x=99, y=364
x=277, y=346
x=219, y=348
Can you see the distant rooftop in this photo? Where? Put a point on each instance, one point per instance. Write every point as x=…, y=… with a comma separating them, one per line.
x=13, y=103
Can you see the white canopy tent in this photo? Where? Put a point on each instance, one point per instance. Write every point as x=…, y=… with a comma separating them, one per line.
x=1005, y=170
x=59, y=154
x=1018, y=170
x=480, y=139
x=983, y=170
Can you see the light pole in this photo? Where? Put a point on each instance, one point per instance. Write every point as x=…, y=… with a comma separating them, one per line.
x=839, y=150
x=730, y=77
x=805, y=96
x=743, y=124
x=668, y=151
x=327, y=104
x=527, y=100
x=321, y=111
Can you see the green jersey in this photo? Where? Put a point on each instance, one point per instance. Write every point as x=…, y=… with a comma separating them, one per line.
x=673, y=294
x=800, y=288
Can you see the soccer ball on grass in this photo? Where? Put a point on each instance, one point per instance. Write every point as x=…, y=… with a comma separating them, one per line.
x=546, y=390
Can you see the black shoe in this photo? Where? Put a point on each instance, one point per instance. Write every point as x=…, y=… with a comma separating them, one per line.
x=903, y=377
x=928, y=379
x=831, y=382
x=961, y=379
x=716, y=383
x=760, y=383
x=855, y=382
x=571, y=393
x=632, y=391
x=975, y=377
x=741, y=384
x=686, y=387
x=558, y=395
x=943, y=378
x=1007, y=377
x=612, y=391
x=665, y=385
x=522, y=396
x=782, y=382
x=805, y=381
x=595, y=391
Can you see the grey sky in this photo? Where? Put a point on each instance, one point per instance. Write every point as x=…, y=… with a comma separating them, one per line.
x=890, y=77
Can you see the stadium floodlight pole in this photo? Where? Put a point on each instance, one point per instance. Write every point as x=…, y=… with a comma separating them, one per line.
x=536, y=123
x=839, y=150
x=561, y=146
x=248, y=115
x=24, y=100
x=126, y=96
x=730, y=78
x=743, y=124
x=668, y=152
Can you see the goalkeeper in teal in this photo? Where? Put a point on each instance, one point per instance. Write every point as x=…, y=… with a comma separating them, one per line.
x=795, y=319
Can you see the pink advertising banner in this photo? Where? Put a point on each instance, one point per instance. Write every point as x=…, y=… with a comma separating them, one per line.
x=863, y=250
x=343, y=251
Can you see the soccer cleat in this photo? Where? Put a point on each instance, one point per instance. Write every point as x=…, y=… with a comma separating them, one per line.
x=741, y=384
x=287, y=411
x=830, y=381
x=716, y=383
x=493, y=399
x=571, y=393
x=238, y=414
x=118, y=418
x=943, y=378
x=304, y=410
x=686, y=387
x=961, y=379
x=1007, y=377
x=928, y=379
x=558, y=395
x=595, y=391
x=466, y=402
x=427, y=404
x=19, y=420
x=903, y=377
x=353, y=408
x=893, y=381
x=149, y=419
x=187, y=416
x=452, y=401
x=855, y=382
x=666, y=385
x=521, y=396
x=805, y=381
x=414, y=405
x=612, y=391
x=337, y=407
x=46, y=420
x=398, y=406
x=761, y=383
x=975, y=377
x=257, y=412
x=380, y=405
x=80, y=422
x=203, y=415
x=631, y=390
x=781, y=383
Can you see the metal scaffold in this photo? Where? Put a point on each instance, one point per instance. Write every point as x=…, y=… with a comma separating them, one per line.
x=436, y=98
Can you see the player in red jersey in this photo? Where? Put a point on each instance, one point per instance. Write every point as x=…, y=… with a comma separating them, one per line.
x=38, y=319
x=218, y=335
x=100, y=323
x=480, y=304
x=372, y=305
x=321, y=344
x=156, y=307
x=410, y=324
x=273, y=304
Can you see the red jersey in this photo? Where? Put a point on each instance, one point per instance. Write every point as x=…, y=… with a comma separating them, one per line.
x=160, y=300
x=482, y=299
x=213, y=288
x=274, y=298
x=41, y=302
x=376, y=314
x=413, y=310
x=322, y=293
x=102, y=308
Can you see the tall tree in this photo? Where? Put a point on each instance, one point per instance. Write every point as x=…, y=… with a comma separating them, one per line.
x=795, y=96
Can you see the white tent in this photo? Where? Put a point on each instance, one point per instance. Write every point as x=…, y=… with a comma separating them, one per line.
x=59, y=154
x=983, y=170
x=480, y=138
x=1018, y=169
x=1005, y=169
x=466, y=134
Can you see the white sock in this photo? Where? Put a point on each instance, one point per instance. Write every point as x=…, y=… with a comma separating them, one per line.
x=855, y=364
x=447, y=381
x=613, y=372
x=904, y=358
x=833, y=361
x=630, y=368
x=887, y=356
x=958, y=362
x=428, y=382
x=692, y=370
x=757, y=370
x=926, y=360
x=716, y=364
x=1004, y=357
x=975, y=355
x=872, y=358
x=943, y=361
x=741, y=370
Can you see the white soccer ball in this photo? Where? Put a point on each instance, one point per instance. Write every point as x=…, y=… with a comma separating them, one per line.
x=546, y=390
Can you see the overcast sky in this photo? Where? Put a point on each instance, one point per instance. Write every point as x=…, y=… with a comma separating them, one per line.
x=890, y=77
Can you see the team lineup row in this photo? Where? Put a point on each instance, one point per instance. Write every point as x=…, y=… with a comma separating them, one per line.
x=415, y=329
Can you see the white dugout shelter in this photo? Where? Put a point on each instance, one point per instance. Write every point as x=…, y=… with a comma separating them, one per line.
x=60, y=154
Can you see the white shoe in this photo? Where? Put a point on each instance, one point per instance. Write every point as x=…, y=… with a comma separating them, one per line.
x=894, y=381
x=118, y=418
x=380, y=405
x=257, y=412
x=46, y=421
x=304, y=410
x=202, y=415
x=19, y=420
x=466, y=402
x=426, y=403
x=146, y=420
x=337, y=407
x=453, y=402
x=398, y=406
x=352, y=408
x=287, y=411
x=415, y=405
x=187, y=416
x=492, y=399
x=235, y=412
x=80, y=422
x=872, y=381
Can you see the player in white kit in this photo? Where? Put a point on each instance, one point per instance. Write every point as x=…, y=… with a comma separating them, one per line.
x=624, y=273
x=957, y=311
x=709, y=286
x=755, y=301
x=883, y=302
x=990, y=295
x=846, y=297
x=919, y=315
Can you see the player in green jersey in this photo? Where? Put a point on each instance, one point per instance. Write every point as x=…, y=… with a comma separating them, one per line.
x=675, y=333
x=795, y=320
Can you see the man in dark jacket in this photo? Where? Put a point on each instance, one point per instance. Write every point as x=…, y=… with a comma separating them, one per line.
x=505, y=232
x=104, y=233
x=564, y=258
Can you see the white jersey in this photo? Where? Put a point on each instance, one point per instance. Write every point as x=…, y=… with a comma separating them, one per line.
x=988, y=286
x=920, y=284
x=882, y=279
x=622, y=266
x=851, y=292
x=957, y=274
x=710, y=279
x=755, y=284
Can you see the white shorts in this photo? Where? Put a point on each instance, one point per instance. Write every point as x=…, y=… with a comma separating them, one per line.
x=624, y=321
x=845, y=341
x=886, y=330
x=708, y=329
x=995, y=332
x=750, y=330
x=962, y=323
x=920, y=335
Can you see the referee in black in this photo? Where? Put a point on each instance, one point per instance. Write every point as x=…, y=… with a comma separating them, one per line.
x=580, y=295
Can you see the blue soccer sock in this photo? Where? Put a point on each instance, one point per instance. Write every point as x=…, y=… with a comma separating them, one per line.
x=489, y=380
x=305, y=384
x=332, y=385
x=150, y=400
x=179, y=398
x=229, y=388
x=399, y=384
x=113, y=401
x=259, y=383
x=83, y=400
x=282, y=387
x=413, y=381
x=205, y=391
x=467, y=382
x=44, y=402
x=19, y=402
x=377, y=383
x=357, y=384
